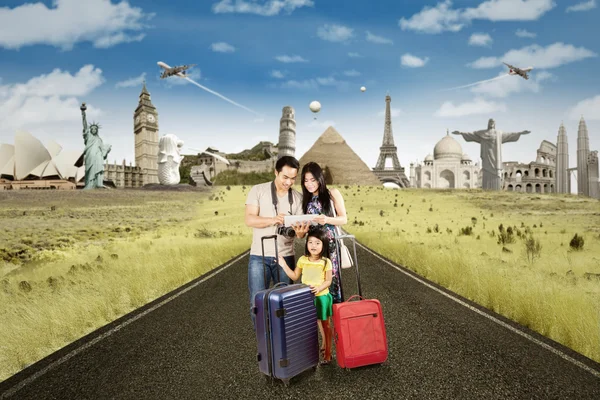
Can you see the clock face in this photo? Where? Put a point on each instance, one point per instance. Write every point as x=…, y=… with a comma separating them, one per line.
x=137, y=119
x=151, y=118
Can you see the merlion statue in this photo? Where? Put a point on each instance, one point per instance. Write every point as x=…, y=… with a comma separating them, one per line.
x=491, y=152
x=169, y=159
x=94, y=154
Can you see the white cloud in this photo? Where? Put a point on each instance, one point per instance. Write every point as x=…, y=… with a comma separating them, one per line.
x=589, y=108
x=443, y=18
x=378, y=39
x=585, y=6
x=315, y=83
x=132, y=81
x=352, y=72
x=394, y=112
x=480, y=39
x=434, y=19
x=354, y=55
x=510, y=10
x=305, y=84
x=408, y=60
x=105, y=24
x=475, y=107
x=222, y=47
x=334, y=33
x=525, y=33
x=48, y=98
x=277, y=74
x=501, y=88
x=290, y=59
x=267, y=9
x=552, y=56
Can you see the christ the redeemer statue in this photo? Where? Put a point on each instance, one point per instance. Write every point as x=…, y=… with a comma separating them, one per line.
x=491, y=152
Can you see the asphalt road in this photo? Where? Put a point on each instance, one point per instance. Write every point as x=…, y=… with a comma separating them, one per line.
x=200, y=345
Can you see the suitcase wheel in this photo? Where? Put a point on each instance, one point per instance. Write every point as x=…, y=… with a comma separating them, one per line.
x=286, y=382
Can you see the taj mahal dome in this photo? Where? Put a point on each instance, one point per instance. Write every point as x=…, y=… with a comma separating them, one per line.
x=448, y=168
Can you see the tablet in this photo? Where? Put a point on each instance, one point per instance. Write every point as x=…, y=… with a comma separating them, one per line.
x=290, y=220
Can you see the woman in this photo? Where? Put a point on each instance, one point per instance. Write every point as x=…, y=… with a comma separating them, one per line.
x=317, y=199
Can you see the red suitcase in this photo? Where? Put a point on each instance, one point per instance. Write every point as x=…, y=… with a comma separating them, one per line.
x=360, y=337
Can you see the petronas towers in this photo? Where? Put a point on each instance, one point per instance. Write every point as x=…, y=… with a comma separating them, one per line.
x=563, y=183
x=587, y=164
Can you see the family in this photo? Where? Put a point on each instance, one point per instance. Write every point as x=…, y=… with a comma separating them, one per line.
x=266, y=206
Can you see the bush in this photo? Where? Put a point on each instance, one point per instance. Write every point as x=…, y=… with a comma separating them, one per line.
x=505, y=236
x=533, y=248
x=466, y=231
x=577, y=242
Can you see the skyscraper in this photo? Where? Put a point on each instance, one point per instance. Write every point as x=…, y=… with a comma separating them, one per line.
x=583, y=149
x=563, y=183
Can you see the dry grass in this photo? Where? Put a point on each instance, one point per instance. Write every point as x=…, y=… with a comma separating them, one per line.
x=127, y=249
x=455, y=239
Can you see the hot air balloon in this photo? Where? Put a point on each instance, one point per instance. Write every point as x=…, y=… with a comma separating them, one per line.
x=362, y=88
x=315, y=107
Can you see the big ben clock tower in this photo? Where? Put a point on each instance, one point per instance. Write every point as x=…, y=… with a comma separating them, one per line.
x=145, y=128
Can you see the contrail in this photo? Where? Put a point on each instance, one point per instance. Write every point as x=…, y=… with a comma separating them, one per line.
x=223, y=97
x=476, y=83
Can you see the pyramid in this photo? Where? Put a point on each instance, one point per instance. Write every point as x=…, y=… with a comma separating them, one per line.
x=341, y=165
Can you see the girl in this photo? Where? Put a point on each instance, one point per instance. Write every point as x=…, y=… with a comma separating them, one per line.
x=317, y=199
x=316, y=272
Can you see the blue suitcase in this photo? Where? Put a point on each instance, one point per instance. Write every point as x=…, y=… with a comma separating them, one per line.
x=286, y=328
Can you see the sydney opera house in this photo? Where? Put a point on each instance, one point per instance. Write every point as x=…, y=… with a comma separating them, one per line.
x=28, y=164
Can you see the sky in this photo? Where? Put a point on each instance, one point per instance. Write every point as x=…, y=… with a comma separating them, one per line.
x=267, y=54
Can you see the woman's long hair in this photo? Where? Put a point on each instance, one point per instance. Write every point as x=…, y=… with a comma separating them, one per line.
x=324, y=196
x=318, y=232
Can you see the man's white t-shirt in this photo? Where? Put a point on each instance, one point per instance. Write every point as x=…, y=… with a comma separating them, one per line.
x=260, y=195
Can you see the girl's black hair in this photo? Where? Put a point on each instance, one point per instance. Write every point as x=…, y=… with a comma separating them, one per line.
x=319, y=233
x=324, y=196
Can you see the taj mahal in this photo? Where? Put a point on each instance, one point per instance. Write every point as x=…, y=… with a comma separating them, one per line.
x=448, y=168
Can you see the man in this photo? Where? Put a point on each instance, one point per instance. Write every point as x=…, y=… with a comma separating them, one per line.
x=265, y=218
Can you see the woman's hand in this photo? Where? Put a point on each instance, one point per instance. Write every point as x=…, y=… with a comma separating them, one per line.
x=321, y=219
x=282, y=261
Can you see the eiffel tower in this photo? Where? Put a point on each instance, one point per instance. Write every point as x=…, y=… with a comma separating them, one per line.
x=396, y=173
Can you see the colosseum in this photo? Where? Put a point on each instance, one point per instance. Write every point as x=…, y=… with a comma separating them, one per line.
x=537, y=176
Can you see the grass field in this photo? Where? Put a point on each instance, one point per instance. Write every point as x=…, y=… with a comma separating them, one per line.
x=74, y=261
x=509, y=252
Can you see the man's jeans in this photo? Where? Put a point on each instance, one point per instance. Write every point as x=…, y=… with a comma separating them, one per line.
x=256, y=275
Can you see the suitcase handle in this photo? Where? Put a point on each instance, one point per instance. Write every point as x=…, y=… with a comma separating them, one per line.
x=262, y=243
x=339, y=253
x=356, y=295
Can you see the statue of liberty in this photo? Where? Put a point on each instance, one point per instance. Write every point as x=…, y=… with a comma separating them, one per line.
x=94, y=154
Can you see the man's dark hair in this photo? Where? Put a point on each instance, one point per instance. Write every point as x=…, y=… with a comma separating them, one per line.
x=286, y=160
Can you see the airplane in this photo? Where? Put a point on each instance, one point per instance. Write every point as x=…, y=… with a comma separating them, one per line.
x=518, y=71
x=176, y=70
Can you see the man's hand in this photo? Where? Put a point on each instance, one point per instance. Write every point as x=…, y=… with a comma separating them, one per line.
x=301, y=229
x=278, y=220
x=320, y=219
